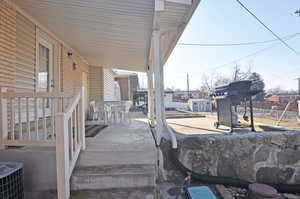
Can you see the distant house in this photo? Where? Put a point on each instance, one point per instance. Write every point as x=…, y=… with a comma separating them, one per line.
x=180, y=96
x=102, y=84
x=129, y=84
x=282, y=98
x=168, y=96
x=200, y=105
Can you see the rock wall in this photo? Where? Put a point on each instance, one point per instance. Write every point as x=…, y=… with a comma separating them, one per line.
x=269, y=157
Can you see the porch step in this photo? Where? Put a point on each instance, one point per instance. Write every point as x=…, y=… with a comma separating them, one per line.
x=128, y=193
x=113, y=177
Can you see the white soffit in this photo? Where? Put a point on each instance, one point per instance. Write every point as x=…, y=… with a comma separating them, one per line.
x=109, y=33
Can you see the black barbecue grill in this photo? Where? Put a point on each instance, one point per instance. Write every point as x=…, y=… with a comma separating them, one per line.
x=229, y=97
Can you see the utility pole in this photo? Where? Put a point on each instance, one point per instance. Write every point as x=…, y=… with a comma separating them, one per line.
x=188, y=85
x=298, y=79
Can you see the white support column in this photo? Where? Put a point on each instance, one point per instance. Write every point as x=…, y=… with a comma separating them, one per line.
x=159, y=85
x=3, y=120
x=150, y=96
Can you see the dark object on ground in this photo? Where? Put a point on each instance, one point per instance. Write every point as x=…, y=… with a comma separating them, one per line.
x=200, y=192
x=228, y=97
x=11, y=180
x=227, y=181
x=262, y=191
x=93, y=130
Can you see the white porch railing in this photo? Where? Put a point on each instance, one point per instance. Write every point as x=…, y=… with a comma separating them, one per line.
x=46, y=119
x=70, y=140
x=27, y=119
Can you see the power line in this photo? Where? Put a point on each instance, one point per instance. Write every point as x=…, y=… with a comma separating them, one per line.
x=235, y=44
x=251, y=55
x=273, y=33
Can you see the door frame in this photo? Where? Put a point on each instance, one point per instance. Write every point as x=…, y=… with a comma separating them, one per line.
x=54, y=58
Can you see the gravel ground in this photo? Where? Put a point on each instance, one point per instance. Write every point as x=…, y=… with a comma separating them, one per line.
x=238, y=193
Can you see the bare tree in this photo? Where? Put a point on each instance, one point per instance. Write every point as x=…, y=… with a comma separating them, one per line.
x=209, y=82
x=238, y=74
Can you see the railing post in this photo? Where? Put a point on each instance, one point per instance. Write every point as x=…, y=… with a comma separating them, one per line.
x=3, y=120
x=81, y=119
x=62, y=156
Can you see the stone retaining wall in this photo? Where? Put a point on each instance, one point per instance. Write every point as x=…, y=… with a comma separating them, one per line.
x=269, y=157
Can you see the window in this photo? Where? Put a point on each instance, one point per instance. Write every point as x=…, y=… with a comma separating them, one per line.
x=44, y=82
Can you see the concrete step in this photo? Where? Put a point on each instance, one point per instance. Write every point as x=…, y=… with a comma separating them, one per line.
x=129, y=193
x=113, y=177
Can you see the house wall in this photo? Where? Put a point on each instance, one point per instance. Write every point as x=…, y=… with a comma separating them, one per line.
x=109, y=85
x=26, y=54
x=72, y=79
x=124, y=87
x=128, y=86
x=96, y=83
x=7, y=45
x=134, y=85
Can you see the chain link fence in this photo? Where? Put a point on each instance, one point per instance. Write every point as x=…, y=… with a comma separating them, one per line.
x=273, y=116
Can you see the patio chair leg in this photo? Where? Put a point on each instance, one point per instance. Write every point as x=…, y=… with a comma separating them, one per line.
x=114, y=117
x=123, y=116
x=105, y=118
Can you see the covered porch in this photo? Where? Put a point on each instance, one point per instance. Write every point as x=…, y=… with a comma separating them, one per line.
x=55, y=50
x=121, y=159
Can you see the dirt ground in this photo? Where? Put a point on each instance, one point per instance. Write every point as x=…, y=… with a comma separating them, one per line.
x=205, y=125
x=200, y=125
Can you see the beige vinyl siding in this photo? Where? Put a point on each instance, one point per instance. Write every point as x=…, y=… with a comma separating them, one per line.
x=17, y=50
x=73, y=79
x=26, y=44
x=7, y=45
x=109, y=85
x=95, y=83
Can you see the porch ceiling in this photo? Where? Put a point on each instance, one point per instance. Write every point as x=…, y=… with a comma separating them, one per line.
x=109, y=33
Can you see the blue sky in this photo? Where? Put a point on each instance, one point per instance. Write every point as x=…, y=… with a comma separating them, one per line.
x=224, y=21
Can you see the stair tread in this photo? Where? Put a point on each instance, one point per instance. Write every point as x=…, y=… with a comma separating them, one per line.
x=115, y=170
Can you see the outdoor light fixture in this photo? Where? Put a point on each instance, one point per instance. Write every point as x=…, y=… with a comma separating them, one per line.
x=74, y=65
x=70, y=54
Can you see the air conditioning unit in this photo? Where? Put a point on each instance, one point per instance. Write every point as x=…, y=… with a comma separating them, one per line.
x=11, y=180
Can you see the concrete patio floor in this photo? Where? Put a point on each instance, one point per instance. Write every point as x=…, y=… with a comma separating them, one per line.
x=119, y=162
x=120, y=144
